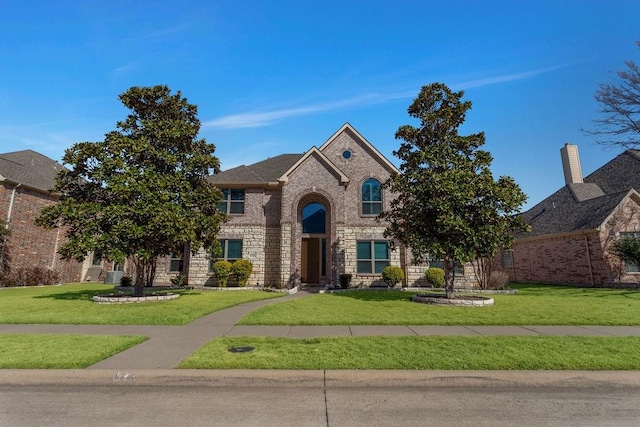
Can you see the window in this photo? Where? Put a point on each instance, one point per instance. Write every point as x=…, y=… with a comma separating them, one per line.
x=314, y=218
x=97, y=259
x=371, y=197
x=628, y=267
x=231, y=250
x=439, y=263
x=176, y=262
x=232, y=202
x=507, y=259
x=373, y=256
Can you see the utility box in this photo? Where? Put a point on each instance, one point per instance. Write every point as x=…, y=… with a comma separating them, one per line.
x=113, y=276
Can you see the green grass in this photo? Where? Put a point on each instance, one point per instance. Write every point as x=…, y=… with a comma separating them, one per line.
x=72, y=304
x=533, y=305
x=39, y=351
x=448, y=353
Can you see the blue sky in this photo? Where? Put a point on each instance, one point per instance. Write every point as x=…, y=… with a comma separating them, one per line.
x=273, y=77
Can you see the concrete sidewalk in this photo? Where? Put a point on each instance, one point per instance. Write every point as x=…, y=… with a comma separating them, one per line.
x=167, y=346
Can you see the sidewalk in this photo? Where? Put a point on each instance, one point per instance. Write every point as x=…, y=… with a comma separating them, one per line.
x=167, y=346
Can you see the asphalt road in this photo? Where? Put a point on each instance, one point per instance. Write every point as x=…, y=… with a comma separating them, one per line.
x=319, y=398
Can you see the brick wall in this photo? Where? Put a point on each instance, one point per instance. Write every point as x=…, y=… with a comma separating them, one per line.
x=30, y=245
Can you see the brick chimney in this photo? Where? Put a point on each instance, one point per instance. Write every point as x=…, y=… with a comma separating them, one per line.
x=571, y=164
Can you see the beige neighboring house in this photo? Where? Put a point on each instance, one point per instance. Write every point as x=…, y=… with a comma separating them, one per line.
x=573, y=228
x=306, y=218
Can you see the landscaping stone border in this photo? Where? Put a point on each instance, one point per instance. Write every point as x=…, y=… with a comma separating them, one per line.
x=469, y=301
x=130, y=299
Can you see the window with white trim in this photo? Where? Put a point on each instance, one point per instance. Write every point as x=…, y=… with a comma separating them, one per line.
x=629, y=267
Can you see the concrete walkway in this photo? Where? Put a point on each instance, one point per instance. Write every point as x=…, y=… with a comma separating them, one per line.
x=167, y=346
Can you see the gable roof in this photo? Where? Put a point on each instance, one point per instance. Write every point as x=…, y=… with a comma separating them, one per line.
x=29, y=168
x=314, y=151
x=264, y=172
x=367, y=144
x=586, y=206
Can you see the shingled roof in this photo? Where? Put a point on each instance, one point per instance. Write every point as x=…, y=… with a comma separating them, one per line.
x=585, y=206
x=263, y=172
x=29, y=168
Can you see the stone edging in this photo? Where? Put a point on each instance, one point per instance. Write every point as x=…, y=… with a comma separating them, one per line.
x=131, y=299
x=461, y=300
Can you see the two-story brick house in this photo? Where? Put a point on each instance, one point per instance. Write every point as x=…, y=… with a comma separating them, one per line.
x=573, y=228
x=25, y=180
x=305, y=218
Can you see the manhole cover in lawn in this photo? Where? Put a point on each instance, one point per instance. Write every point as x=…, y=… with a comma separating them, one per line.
x=240, y=349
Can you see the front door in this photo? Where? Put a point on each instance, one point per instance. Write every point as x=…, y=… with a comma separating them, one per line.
x=310, y=268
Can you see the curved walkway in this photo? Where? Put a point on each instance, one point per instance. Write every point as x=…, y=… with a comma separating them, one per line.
x=167, y=346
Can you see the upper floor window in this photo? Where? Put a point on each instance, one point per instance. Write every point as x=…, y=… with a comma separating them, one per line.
x=230, y=250
x=314, y=217
x=372, y=256
x=371, y=197
x=232, y=201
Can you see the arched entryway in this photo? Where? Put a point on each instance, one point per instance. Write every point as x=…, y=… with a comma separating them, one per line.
x=314, y=219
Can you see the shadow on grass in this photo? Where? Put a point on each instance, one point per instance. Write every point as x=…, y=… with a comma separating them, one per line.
x=86, y=295
x=378, y=295
x=568, y=291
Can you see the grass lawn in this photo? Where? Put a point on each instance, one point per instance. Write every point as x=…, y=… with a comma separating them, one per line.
x=39, y=351
x=72, y=304
x=449, y=353
x=533, y=305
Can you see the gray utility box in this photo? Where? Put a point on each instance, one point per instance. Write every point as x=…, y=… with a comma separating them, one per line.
x=113, y=276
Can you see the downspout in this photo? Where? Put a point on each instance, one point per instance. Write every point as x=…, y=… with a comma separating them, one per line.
x=586, y=245
x=13, y=198
x=55, y=250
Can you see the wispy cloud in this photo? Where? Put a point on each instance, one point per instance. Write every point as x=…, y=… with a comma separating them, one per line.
x=265, y=118
x=163, y=32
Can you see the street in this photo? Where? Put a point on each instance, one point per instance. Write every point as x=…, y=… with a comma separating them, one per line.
x=318, y=398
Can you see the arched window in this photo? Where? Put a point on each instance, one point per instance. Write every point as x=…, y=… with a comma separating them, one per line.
x=371, y=197
x=314, y=218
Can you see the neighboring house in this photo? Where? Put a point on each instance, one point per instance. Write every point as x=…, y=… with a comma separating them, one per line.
x=573, y=228
x=305, y=218
x=25, y=179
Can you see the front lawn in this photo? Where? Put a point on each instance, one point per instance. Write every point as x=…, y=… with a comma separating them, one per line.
x=533, y=305
x=39, y=351
x=449, y=353
x=72, y=304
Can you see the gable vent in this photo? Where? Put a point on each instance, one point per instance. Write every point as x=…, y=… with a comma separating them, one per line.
x=571, y=164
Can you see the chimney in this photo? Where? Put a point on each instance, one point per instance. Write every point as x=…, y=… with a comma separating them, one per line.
x=571, y=164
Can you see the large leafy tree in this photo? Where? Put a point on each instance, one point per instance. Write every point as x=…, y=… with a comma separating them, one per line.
x=447, y=204
x=619, y=121
x=142, y=192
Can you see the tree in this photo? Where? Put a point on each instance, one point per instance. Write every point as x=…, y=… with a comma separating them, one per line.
x=447, y=204
x=627, y=249
x=619, y=102
x=142, y=192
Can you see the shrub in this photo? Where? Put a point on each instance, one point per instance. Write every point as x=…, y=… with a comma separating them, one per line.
x=222, y=269
x=33, y=276
x=345, y=280
x=392, y=275
x=241, y=270
x=498, y=280
x=434, y=276
x=178, y=280
x=126, y=281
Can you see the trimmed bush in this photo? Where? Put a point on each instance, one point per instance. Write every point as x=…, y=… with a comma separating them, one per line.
x=498, y=280
x=392, y=275
x=345, y=280
x=178, y=280
x=241, y=270
x=126, y=281
x=434, y=276
x=222, y=269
